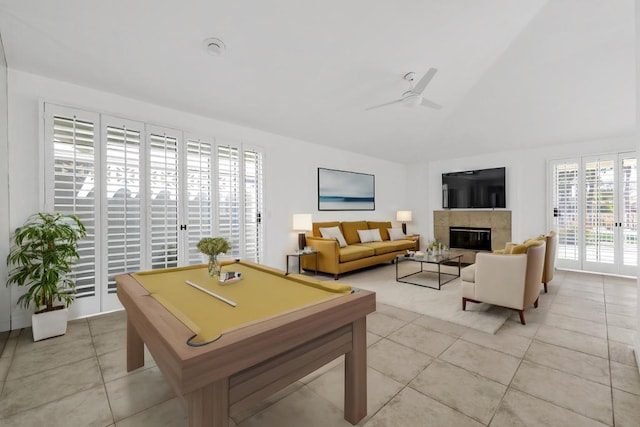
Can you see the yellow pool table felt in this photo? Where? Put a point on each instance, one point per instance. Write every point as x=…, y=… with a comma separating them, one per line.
x=262, y=292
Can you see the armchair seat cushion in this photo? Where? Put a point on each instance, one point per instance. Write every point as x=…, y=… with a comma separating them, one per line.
x=468, y=273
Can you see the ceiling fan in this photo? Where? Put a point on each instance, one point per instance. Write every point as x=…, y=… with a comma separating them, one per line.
x=413, y=97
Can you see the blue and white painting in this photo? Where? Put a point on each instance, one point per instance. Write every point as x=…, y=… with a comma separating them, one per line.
x=345, y=191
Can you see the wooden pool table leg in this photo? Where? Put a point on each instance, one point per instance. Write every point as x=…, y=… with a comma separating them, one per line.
x=355, y=374
x=135, y=348
x=209, y=406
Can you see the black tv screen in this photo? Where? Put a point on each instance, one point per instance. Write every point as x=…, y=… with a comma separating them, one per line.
x=484, y=188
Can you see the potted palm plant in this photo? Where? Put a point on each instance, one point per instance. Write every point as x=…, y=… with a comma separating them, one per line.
x=41, y=257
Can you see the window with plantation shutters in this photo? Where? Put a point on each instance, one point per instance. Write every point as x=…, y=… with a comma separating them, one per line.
x=253, y=205
x=123, y=207
x=163, y=204
x=199, y=193
x=629, y=204
x=599, y=215
x=146, y=195
x=229, y=196
x=240, y=200
x=74, y=177
x=595, y=212
x=565, y=201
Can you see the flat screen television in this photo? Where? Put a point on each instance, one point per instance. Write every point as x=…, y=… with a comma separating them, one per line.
x=474, y=189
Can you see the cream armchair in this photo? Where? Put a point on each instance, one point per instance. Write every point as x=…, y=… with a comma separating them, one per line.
x=511, y=281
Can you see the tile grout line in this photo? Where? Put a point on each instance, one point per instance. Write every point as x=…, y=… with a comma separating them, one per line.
x=606, y=324
x=104, y=383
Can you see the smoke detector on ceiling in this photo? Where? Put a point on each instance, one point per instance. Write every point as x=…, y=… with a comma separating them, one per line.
x=214, y=47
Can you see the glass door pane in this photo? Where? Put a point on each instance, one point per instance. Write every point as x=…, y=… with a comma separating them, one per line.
x=629, y=214
x=566, y=213
x=599, y=214
x=163, y=191
x=199, y=194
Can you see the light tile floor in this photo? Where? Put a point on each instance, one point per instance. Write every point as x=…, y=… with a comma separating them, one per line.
x=571, y=365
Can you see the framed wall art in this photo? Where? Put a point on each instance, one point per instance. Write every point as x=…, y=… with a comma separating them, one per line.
x=345, y=191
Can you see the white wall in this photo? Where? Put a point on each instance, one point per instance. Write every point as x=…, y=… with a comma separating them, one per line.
x=526, y=181
x=290, y=171
x=5, y=293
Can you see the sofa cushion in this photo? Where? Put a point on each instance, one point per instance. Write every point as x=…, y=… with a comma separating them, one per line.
x=317, y=225
x=354, y=252
x=334, y=232
x=382, y=226
x=381, y=247
x=404, y=244
x=350, y=231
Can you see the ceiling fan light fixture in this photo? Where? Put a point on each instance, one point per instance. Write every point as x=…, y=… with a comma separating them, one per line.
x=214, y=46
x=412, y=100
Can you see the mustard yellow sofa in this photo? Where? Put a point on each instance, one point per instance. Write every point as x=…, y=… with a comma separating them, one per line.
x=335, y=260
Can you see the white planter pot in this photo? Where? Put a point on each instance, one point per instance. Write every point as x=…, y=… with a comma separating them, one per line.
x=49, y=324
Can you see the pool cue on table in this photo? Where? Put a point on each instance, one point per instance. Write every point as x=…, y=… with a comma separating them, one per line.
x=223, y=299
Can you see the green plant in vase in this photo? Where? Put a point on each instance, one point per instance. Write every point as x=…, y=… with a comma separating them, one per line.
x=213, y=247
x=41, y=257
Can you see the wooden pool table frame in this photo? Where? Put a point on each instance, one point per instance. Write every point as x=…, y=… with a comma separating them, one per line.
x=251, y=362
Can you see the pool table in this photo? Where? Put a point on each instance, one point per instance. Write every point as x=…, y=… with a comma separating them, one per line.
x=220, y=359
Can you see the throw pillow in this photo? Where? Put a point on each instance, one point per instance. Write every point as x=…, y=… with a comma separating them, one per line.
x=365, y=236
x=375, y=235
x=518, y=249
x=396, y=234
x=333, y=232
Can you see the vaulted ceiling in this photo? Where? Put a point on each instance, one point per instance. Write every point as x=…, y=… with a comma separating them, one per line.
x=511, y=74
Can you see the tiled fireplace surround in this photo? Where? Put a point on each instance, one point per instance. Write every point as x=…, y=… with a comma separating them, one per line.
x=499, y=221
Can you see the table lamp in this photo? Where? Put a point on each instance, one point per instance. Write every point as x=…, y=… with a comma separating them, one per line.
x=302, y=223
x=403, y=217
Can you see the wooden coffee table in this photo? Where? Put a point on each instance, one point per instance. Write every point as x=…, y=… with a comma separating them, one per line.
x=438, y=260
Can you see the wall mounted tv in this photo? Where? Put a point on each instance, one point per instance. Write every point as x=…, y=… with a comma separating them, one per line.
x=475, y=189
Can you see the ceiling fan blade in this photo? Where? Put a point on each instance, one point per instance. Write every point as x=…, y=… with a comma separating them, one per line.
x=383, y=105
x=427, y=103
x=424, y=81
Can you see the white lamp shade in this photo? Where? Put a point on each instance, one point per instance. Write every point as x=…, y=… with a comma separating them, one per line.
x=403, y=216
x=302, y=222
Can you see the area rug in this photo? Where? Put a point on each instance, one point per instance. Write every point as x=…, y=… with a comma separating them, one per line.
x=444, y=304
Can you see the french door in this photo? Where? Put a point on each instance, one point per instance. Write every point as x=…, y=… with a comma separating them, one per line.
x=146, y=195
x=594, y=201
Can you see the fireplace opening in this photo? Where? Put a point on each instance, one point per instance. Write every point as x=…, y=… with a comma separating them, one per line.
x=470, y=238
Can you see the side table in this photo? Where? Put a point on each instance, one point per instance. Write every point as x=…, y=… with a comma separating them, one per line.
x=415, y=238
x=299, y=255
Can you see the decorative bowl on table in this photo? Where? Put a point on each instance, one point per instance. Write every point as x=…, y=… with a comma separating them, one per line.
x=419, y=255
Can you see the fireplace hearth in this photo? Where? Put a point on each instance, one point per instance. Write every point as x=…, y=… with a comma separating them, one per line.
x=474, y=238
